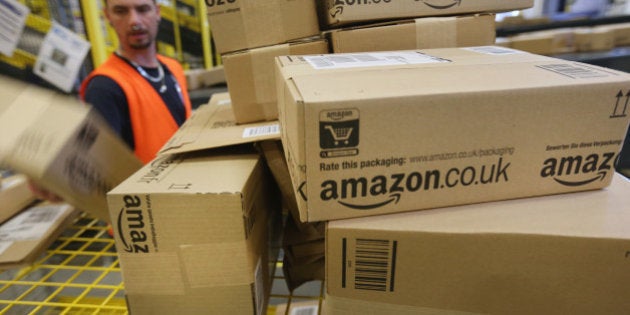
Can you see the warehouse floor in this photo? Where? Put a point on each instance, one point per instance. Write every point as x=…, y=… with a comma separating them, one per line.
x=79, y=274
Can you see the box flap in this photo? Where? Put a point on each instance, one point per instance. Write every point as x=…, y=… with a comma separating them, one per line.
x=213, y=126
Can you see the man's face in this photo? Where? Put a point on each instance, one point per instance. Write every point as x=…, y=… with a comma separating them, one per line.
x=135, y=22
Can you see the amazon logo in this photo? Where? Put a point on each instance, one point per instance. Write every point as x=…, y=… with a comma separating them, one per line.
x=441, y=4
x=578, y=170
x=336, y=10
x=130, y=226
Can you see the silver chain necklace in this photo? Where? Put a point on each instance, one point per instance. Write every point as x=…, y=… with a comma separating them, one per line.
x=160, y=76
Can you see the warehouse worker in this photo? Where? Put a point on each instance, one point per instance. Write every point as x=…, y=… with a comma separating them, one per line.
x=141, y=94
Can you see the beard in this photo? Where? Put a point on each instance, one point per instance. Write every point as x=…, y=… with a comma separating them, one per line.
x=141, y=45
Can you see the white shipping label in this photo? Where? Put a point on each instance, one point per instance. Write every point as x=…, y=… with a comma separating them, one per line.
x=225, y=103
x=60, y=57
x=32, y=223
x=12, y=20
x=259, y=131
x=371, y=59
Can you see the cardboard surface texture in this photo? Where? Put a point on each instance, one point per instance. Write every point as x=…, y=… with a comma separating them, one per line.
x=213, y=126
x=423, y=131
x=27, y=235
x=562, y=254
x=193, y=234
x=337, y=13
x=200, y=78
x=251, y=82
x=64, y=146
x=15, y=195
x=245, y=24
x=422, y=33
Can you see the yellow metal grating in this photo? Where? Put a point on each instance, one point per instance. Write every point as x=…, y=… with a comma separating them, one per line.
x=79, y=274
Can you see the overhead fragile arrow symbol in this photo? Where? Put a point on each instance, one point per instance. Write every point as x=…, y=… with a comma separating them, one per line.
x=619, y=96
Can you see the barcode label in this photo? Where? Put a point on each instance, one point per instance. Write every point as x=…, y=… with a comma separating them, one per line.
x=494, y=50
x=261, y=131
x=372, y=59
x=304, y=310
x=374, y=264
x=575, y=71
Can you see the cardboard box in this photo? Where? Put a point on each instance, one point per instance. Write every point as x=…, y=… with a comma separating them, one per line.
x=245, y=24
x=200, y=78
x=594, y=39
x=563, y=254
x=548, y=42
x=64, y=146
x=213, y=126
x=400, y=138
x=337, y=13
x=27, y=235
x=434, y=32
x=621, y=33
x=15, y=195
x=193, y=234
x=251, y=82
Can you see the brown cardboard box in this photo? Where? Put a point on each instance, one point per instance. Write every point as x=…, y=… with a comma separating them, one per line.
x=594, y=39
x=27, y=235
x=213, y=125
x=621, y=33
x=193, y=234
x=433, y=32
x=200, y=78
x=245, y=24
x=15, y=195
x=563, y=254
x=423, y=131
x=251, y=82
x=548, y=42
x=337, y=13
x=65, y=147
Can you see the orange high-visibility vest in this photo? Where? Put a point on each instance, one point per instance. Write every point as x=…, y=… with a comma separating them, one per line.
x=151, y=121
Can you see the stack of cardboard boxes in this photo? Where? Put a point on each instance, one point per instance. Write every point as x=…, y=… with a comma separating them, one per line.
x=198, y=228
x=366, y=135
x=249, y=35
x=368, y=140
